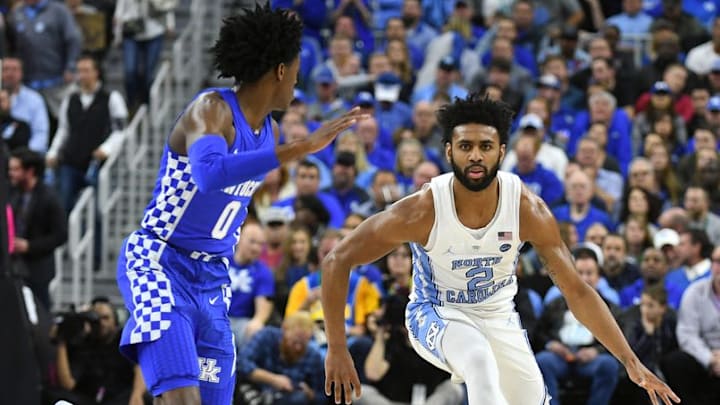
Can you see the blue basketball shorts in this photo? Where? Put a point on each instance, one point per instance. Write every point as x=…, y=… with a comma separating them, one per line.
x=178, y=330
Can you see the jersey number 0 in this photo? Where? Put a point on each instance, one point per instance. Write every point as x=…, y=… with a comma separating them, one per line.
x=225, y=221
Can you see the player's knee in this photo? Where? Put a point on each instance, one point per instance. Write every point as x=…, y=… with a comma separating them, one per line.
x=478, y=358
x=179, y=396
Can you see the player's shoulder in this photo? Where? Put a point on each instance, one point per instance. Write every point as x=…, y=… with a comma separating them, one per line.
x=413, y=215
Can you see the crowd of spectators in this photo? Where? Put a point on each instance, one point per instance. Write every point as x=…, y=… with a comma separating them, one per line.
x=617, y=129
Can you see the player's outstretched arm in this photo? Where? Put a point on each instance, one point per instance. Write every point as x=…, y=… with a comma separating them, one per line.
x=408, y=220
x=539, y=227
x=206, y=130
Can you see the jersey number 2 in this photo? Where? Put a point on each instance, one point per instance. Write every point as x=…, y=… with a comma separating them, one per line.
x=479, y=276
x=225, y=221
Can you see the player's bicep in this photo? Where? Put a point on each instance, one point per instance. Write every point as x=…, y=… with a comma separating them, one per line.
x=540, y=229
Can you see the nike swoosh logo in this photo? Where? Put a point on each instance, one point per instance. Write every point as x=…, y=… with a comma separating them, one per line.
x=213, y=300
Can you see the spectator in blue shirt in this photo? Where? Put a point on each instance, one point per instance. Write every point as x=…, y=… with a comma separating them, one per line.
x=578, y=210
x=307, y=182
x=603, y=108
x=344, y=173
x=26, y=104
x=252, y=285
x=445, y=77
x=353, y=18
x=282, y=364
x=540, y=180
x=327, y=104
x=395, y=30
x=653, y=268
x=419, y=33
x=632, y=20
x=380, y=157
x=391, y=113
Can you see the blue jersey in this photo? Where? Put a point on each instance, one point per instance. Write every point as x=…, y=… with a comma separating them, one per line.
x=207, y=224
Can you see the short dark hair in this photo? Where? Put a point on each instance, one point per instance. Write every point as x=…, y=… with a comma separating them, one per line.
x=256, y=41
x=478, y=109
x=699, y=236
x=308, y=164
x=657, y=292
x=30, y=159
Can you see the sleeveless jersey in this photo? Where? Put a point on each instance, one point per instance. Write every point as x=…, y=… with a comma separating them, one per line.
x=205, y=225
x=468, y=268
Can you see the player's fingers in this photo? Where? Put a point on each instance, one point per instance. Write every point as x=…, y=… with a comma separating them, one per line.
x=338, y=391
x=356, y=385
x=653, y=397
x=347, y=388
x=666, y=398
x=328, y=385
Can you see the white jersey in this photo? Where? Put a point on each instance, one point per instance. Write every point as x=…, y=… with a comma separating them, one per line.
x=464, y=268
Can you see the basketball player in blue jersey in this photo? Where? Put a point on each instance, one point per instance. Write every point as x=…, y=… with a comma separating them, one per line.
x=466, y=229
x=173, y=272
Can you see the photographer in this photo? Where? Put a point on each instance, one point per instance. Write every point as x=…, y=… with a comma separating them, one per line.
x=90, y=368
x=395, y=372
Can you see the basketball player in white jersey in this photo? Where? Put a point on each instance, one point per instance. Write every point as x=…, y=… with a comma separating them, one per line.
x=466, y=229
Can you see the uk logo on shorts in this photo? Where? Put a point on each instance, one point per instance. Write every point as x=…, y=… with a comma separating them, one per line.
x=209, y=370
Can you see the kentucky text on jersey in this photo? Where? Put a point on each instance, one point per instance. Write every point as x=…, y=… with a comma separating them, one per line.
x=245, y=189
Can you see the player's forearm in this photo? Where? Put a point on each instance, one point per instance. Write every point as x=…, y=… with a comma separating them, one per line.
x=591, y=311
x=333, y=297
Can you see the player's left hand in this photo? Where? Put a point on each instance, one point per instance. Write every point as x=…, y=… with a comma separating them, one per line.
x=643, y=377
x=340, y=375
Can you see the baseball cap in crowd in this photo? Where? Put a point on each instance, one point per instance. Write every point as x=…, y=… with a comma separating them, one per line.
x=549, y=81
x=666, y=236
x=345, y=158
x=713, y=104
x=531, y=121
x=448, y=63
x=387, y=87
x=277, y=216
x=660, y=88
x=323, y=75
x=364, y=99
x=592, y=249
x=715, y=68
x=299, y=97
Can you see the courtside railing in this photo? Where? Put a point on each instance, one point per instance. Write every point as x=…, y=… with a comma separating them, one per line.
x=80, y=247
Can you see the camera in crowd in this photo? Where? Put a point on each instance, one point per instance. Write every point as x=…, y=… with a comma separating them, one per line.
x=393, y=318
x=74, y=328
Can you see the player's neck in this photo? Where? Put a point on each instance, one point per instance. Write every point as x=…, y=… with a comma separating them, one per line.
x=485, y=198
x=255, y=104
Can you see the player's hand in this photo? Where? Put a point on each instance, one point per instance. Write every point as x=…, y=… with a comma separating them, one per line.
x=640, y=375
x=324, y=135
x=340, y=375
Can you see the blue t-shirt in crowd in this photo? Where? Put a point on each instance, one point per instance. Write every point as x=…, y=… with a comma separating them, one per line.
x=543, y=182
x=562, y=214
x=248, y=281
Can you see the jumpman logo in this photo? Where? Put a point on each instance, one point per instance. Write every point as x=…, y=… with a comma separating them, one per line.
x=208, y=370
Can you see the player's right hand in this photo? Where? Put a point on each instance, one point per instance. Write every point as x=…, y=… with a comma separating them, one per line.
x=340, y=375
x=324, y=135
